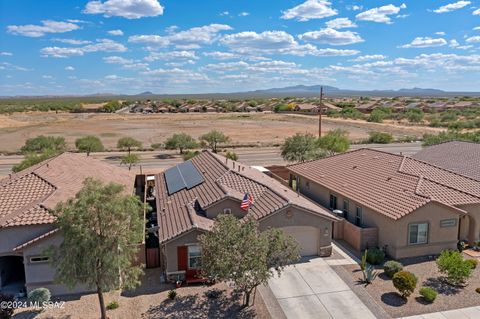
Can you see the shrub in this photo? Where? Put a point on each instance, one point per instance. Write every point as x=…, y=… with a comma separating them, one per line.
x=391, y=267
x=172, y=294
x=6, y=312
x=472, y=262
x=454, y=266
x=405, y=282
x=380, y=137
x=429, y=294
x=213, y=293
x=113, y=305
x=39, y=295
x=477, y=290
x=375, y=256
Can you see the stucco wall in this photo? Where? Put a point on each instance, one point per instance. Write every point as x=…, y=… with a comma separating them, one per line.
x=228, y=203
x=171, y=248
x=12, y=237
x=470, y=229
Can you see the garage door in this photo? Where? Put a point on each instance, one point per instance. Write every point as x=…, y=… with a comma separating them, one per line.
x=306, y=237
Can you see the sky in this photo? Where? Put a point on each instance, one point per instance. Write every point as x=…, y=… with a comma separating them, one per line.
x=191, y=46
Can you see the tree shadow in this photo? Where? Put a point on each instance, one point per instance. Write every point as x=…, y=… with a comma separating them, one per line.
x=422, y=301
x=393, y=299
x=441, y=285
x=163, y=156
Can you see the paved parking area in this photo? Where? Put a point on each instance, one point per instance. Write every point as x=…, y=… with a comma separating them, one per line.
x=311, y=289
x=464, y=313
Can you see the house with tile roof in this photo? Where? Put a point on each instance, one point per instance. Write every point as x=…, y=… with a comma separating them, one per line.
x=184, y=213
x=27, y=226
x=414, y=208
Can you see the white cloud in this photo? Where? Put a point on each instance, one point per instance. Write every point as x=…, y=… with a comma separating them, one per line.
x=341, y=23
x=369, y=57
x=69, y=68
x=189, y=39
x=4, y=53
x=243, y=14
x=47, y=26
x=440, y=33
x=130, y=9
x=425, y=42
x=310, y=9
x=172, y=55
x=72, y=41
x=380, y=14
x=47, y=77
x=475, y=39
x=116, y=32
x=224, y=13
x=454, y=43
x=221, y=55
x=276, y=42
x=125, y=63
x=331, y=36
x=476, y=28
x=102, y=45
x=476, y=12
x=12, y=67
x=355, y=7
x=452, y=6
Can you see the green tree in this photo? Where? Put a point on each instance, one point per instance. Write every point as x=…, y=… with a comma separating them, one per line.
x=128, y=143
x=415, y=115
x=457, y=269
x=376, y=116
x=213, y=139
x=42, y=143
x=189, y=155
x=380, y=137
x=130, y=160
x=101, y=228
x=231, y=155
x=236, y=251
x=31, y=159
x=89, y=144
x=180, y=141
x=334, y=142
x=301, y=148
x=111, y=107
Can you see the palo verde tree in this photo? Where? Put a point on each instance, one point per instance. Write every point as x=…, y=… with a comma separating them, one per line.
x=180, y=141
x=236, y=251
x=89, y=144
x=301, y=148
x=130, y=160
x=334, y=142
x=128, y=143
x=101, y=228
x=213, y=139
x=43, y=143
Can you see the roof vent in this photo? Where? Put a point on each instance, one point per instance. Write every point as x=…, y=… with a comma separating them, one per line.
x=389, y=178
x=355, y=166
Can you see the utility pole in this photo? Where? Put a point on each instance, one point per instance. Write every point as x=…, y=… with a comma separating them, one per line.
x=320, y=113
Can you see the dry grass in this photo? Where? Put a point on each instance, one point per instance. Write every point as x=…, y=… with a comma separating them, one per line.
x=243, y=128
x=384, y=293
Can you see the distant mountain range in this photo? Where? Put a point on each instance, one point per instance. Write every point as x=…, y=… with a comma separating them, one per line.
x=291, y=91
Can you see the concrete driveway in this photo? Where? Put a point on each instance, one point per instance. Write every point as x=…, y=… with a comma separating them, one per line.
x=312, y=289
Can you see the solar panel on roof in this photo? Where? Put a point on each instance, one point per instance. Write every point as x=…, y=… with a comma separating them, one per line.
x=184, y=175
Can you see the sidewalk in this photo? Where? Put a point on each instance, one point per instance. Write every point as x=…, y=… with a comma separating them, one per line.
x=464, y=313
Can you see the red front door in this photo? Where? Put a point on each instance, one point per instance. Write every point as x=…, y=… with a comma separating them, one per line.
x=182, y=257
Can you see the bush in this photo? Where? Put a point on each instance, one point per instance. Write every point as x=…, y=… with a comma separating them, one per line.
x=113, y=305
x=454, y=266
x=429, y=294
x=380, y=137
x=391, y=267
x=375, y=256
x=172, y=294
x=472, y=262
x=39, y=295
x=6, y=312
x=213, y=293
x=405, y=282
x=477, y=290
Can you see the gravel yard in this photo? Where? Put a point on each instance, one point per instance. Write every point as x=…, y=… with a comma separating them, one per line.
x=150, y=301
x=384, y=293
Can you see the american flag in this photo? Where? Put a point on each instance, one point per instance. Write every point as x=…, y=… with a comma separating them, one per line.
x=247, y=201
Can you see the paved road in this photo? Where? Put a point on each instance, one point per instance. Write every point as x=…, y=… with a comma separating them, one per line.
x=154, y=161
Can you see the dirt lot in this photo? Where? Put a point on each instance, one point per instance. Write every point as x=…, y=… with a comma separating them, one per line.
x=384, y=293
x=252, y=128
x=150, y=301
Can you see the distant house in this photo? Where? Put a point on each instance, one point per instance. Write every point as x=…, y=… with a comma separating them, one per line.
x=27, y=226
x=438, y=106
x=403, y=205
x=367, y=107
x=212, y=185
x=306, y=107
x=463, y=104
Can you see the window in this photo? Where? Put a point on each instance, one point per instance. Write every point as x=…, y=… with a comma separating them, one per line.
x=194, y=257
x=345, y=209
x=448, y=223
x=358, y=216
x=333, y=201
x=39, y=259
x=307, y=184
x=418, y=233
x=227, y=210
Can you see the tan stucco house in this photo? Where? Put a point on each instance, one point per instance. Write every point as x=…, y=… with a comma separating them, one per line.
x=184, y=212
x=27, y=227
x=406, y=206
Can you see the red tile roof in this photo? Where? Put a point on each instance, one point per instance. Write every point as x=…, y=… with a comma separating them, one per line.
x=223, y=179
x=27, y=196
x=457, y=156
x=388, y=183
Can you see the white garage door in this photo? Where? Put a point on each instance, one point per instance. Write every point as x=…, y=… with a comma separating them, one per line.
x=306, y=237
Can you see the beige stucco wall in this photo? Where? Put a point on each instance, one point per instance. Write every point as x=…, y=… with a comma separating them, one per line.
x=12, y=237
x=227, y=203
x=394, y=233
x=470, y=229
x=188, y=238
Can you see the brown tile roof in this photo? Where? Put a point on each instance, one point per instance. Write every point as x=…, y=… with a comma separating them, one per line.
x=36, y=239
x=27, y=196
x=388, y=183
x=223, y=179
x=457, y=156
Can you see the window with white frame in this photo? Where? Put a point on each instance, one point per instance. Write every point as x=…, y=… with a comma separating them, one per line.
x=418, y=233
x=194, y=257
x=39, y=259
x=227, y=210
x=358, y=216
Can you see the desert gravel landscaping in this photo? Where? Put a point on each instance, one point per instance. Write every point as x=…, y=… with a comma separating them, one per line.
x=384, y=293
